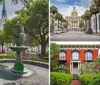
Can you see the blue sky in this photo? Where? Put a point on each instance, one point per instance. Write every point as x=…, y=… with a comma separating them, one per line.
x=65, y=6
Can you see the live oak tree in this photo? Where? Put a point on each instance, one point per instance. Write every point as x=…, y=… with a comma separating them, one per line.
x=37, y=25
x=2, y=39
x=34, y=17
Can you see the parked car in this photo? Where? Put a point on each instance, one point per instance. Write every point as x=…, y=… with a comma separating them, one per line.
x=89, y=31
x=57, y=31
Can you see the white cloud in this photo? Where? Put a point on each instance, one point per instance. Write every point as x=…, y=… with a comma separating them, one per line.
x=85, y=3
x=60, y=0
x=66, y=10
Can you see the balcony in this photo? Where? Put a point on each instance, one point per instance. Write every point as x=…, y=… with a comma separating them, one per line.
x=88, y=60
x=62, y=59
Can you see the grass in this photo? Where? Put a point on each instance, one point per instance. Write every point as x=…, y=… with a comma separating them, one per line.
x=30, y=56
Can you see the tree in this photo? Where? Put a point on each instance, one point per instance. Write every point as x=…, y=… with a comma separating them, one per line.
x=2, y=39
x=86, y=17
x=54, y=51
x=58, y=17
x=94, y=10
x=9, y=28
x=37, y=25
x=97, y=2
x=53, y=11
x=16, y=1
x=65, y=22
x=81, y=24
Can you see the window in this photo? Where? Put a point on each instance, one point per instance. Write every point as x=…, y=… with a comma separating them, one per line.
x=75, y=55
x=62, y=65
x=62, y=56
x=88, y=56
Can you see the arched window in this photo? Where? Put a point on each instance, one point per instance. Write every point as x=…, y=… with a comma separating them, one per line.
x=75, y=55
x=88, y=55
x=62, y=56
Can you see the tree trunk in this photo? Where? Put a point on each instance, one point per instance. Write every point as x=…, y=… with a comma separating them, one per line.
x=58, y=24
x=2, y=46
x=43, y=46
x=95, y=23
x=52, y=25
x=43, y=49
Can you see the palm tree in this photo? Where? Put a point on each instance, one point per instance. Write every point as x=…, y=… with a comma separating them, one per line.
x=53, y=11
x=65, y=23
x=58, y=17
x=81, y=24
x=97, y=2
x=94, y=10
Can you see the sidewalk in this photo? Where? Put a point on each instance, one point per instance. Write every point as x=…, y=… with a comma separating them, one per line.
x=75, y=80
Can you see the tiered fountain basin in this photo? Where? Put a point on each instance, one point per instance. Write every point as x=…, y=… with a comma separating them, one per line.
x=19, y=48
x=18, y=68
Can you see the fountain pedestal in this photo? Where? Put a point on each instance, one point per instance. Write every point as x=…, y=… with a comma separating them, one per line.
x=19, y=66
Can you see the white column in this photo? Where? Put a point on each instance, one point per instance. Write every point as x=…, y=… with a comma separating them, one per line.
x=72, y=67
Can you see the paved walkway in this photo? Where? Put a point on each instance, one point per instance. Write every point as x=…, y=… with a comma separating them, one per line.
x=74, y=36
x=75, y=80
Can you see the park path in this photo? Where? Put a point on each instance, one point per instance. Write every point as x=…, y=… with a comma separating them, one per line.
x=75, y=80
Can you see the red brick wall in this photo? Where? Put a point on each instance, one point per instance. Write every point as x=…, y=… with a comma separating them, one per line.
x=81, y=56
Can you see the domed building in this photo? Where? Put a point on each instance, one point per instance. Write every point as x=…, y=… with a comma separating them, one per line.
x=73, y=20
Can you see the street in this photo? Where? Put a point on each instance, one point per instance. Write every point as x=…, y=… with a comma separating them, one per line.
x=74, y=36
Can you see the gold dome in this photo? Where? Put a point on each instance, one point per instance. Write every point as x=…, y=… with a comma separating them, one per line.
x=74, y=10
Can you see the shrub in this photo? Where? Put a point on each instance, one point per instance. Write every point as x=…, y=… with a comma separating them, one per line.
x=91, y=68
x=90, y=79
x=58, y=69
x=60, y=78
x=7, y=56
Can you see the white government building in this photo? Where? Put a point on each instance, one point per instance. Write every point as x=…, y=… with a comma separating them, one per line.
x=73, y=20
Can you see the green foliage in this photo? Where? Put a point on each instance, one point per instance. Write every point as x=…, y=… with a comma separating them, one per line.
x=58, y=69
x=91, y=68
x=86, y=15
x=60, y=78
x=37, y=25
x=34, y=17
x=94, y=9
x=9, y=29
x=90, y=79
x=7, y=56
x=53, y=10
x=54, y=51
x=81, y=24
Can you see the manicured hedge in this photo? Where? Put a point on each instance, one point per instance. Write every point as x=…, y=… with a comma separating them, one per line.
x=90, y=79
x=60, y=78
x=58, y=69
